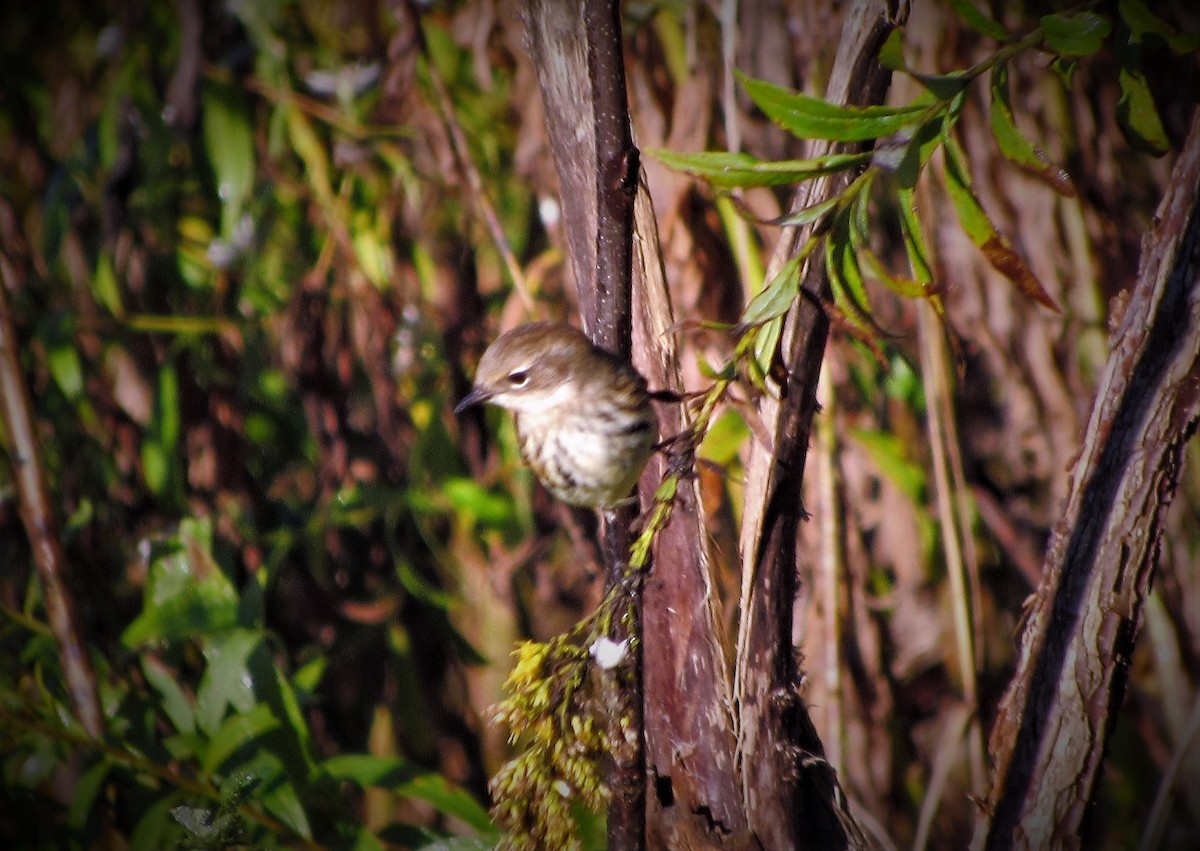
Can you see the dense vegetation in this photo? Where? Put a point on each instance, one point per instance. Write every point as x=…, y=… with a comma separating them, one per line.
x=251, y=252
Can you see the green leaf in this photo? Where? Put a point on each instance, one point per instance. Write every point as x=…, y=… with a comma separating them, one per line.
x=450, y=800
x=891, y=54
x=1076, y=35
x=724, y=439
x=229, y=143
x=1136, y=112
x=469, y=497
x=766, y=344
x=774, y=299
x=845, y=281
x=166, y=420
x=67, y=369
x=105, y=287
x=944, y=87
x=153, y=827
x=1014, y=145
x=983, y=233
x=807, y=214
x=227, y=681
x=906, y=153
x=155, y=466
x=728, y=170
x=1142, y=22
x=978, y=21
x=87, y=787
x=860, y=240
x=405, y=780
x=187, y=594
x=367, y=770
x=887, y=452
x=175, y=703
x=235, y=732
x=812, y=118
x=311, y=150
x=282, y=801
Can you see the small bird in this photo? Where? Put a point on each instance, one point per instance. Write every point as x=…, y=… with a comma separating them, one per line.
x=584, y=421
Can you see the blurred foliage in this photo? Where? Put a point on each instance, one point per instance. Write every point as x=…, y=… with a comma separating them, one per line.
x=250, y=272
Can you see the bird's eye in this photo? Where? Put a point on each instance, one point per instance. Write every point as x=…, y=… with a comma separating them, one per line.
x=518, y=378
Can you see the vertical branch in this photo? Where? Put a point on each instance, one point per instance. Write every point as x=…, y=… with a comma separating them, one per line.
x=791, y=793
x=41, y=526
x=1055, y=721
x=697, y=800
x=598, y=170
x=616, y=173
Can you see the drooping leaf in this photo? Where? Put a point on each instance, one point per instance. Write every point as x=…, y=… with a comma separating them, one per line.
x=1136, y=111
x=1081, y=34
x=812, y=118
x=978, y=21
x=975, y=222
x=860, y=241
x=1015, y=145
x=845, y=282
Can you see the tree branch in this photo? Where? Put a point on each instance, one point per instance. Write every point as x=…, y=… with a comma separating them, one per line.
x=41, y=526
x=1058, y=713
x=600, y=227
x=791, y=793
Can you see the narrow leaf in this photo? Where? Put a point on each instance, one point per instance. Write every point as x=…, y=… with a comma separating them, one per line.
x=283, y=802
x=229, y=143
x=238, y=730
x=975, y=222
x=729, y=170
x=807, y=214
x=385, y=772
x=812, y=118
x=87, y=787
x=448, y=799
x=914, y=239
x=1014, y=145
x=776, y=297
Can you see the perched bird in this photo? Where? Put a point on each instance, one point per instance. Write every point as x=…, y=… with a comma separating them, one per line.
x=584, y=420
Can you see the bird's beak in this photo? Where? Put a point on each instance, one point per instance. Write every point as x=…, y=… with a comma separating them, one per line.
x=477, y=395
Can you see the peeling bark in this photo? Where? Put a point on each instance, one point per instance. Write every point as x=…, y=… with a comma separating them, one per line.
x=1082, y=622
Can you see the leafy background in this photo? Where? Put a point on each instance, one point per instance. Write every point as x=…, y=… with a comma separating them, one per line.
x=252, y=252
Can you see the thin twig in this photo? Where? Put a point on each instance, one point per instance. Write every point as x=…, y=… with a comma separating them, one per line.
x=41, y=525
